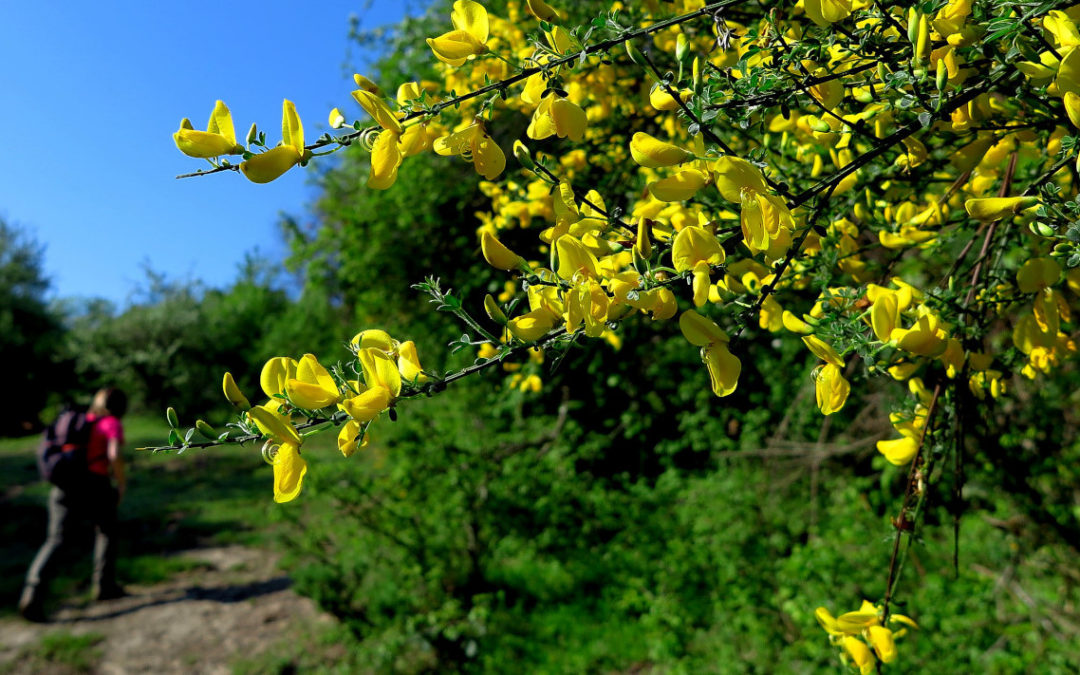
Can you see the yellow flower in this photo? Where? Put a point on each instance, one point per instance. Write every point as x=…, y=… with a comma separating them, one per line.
x=289, y=470
x=275, y=373
x=1037, y=274
x=313, y=387
x=696, y=249
x=376, y=339
x=557, y=116
x=367, y=405
x=218, y=139
x=680, y=187
x=269, y=165
x=380, y=370
x=497, y=254
x=860, y=654
x=273, y=424
x=574, y=258
x=831, y=389
x=994, y=208
x=653, y=153
x=349, y=440
x=409, y=363
x=899, y=451
x=541, y=10
x=531, y=326
x=825, y=12
x=474, y=141
x=765, y=219
x=468, y=37
x=723, y=366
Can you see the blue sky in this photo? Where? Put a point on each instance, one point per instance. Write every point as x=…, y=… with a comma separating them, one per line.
x=92, y=94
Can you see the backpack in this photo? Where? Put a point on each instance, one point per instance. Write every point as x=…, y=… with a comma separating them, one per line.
x=62, y=454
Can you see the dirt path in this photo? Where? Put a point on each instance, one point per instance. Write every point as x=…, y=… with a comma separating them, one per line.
x=235, y=606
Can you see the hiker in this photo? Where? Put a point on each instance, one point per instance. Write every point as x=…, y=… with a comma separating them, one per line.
x=86, y=490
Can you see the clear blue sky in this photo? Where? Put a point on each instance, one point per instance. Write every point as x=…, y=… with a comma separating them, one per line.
x=92, y=93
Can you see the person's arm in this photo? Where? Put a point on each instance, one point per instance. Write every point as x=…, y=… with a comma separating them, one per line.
x=116, y=461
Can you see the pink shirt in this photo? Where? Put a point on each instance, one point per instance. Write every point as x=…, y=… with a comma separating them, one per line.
x=97, y=452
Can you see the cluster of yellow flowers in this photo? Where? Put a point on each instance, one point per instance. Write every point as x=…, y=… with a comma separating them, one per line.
x=861, y=635
x=719, y=216
x=307, y=387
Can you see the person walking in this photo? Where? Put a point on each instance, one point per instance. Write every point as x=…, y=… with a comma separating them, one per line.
x=92, y=495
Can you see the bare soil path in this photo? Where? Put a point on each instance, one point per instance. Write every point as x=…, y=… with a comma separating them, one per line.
x=234, y=606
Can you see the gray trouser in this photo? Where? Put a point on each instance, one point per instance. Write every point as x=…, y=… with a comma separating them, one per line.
x=95, y=499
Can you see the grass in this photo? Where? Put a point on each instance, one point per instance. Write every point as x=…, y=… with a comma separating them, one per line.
x=63, y=652
x=174, y=502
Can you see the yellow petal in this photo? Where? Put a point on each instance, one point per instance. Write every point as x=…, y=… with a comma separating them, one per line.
x=472, y=18
x=275, y=373
x=884, y=316
x=734, y=174
x=203, y=144
x=680, y=187
x=1037, y=273
x=541, y=10
x=831, y=389
x=366, y=406
x=653, y=153
x=898, y=451
x=292, y=130
x=367, y=85
x=274, y=425
x=497, y=254
x=823, y=350
x=574, y=258
x=858, y=651
x=532, y=326
x=269, y=165
x=993, y=208
x=380, y=370
x=289, y=470
x=379, y=111
x=699, y=330
x=232, y=393
x=695, y=244
x=385, y=160
x=723, y=366
x=455, y=47
x=373, y=338
x=221, y=123
x=409, y=362
x=570, y=120
x=348, y=439
x=884, y=645
x=488, y=157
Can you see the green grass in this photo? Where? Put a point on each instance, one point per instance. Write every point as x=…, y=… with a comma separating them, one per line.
x=64, y=652
x=174, y=502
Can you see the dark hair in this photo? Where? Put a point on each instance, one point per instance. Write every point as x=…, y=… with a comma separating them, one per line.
x=109, y=401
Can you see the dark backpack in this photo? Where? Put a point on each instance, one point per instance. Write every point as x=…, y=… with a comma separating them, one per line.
x=62, y=455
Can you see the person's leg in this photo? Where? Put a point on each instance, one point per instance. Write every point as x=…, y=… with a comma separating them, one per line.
x=104, y=499
x=37, y=578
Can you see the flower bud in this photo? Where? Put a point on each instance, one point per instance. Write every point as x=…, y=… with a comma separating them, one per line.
x=522, y=155
x=232, y=393
x=206, y=430
x=682, y=47
x=635, y=54
x=493, y=311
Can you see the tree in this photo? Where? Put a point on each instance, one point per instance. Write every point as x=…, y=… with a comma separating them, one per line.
x=30, y=333
x=861, y=194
